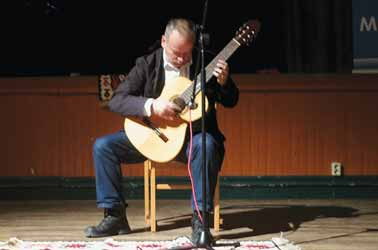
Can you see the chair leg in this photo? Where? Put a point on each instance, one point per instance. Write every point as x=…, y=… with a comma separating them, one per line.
x=150, y=198
x=147, y=197
x=216, y=208
x=153, y=198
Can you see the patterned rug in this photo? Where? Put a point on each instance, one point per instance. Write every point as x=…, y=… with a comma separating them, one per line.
x=111, y=244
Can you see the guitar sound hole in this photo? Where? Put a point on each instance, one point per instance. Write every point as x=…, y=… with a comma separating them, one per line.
x=179, y=102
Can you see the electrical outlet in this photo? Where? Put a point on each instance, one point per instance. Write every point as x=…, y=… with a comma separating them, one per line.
x=336, y=168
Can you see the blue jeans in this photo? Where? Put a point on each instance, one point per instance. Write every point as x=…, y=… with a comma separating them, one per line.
x=111, y=150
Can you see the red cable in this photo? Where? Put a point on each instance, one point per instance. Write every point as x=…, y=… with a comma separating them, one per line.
x=189, y=167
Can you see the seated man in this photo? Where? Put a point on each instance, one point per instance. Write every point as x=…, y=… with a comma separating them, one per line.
x=138, y=96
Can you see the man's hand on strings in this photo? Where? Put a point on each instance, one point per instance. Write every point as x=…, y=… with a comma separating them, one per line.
x=221, y=72
x=165, y=109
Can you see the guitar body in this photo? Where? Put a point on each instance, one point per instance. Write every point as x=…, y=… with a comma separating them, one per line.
x=146, y=140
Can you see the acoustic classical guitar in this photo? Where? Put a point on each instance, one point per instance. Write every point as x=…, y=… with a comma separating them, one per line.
x=161, y=140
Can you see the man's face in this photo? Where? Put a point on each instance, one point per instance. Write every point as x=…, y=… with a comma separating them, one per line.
x=178, y=49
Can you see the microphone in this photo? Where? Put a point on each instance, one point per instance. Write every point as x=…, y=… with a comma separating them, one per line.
x=206, y=36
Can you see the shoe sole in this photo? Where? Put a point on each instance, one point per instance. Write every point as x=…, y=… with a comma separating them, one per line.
x=121, y=232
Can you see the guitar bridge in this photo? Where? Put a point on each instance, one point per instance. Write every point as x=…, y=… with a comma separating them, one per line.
x=157, y=131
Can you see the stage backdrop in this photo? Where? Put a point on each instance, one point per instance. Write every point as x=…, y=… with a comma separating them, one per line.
x=365, y=35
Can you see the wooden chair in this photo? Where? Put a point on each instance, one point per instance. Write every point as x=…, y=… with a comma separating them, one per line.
x=150, y=187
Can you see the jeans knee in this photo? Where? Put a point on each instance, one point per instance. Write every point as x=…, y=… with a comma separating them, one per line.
x=211, y=144
x=100, y=145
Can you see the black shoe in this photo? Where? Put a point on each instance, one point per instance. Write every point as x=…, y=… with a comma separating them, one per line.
x=198, y=233
x=114, y=223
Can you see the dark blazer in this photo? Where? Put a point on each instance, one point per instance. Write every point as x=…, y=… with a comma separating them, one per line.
x=146, y=80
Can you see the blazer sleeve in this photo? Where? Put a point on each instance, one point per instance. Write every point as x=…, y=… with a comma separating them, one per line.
x=128, y=99
x=227, y=94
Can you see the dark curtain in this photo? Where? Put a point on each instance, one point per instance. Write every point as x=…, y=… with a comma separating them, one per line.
x=319, y=36
x=309, y=36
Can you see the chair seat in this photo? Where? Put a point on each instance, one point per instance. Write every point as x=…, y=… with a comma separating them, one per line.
x=150, y=188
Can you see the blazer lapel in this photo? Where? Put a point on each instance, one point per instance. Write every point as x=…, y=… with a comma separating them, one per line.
x=159, y=80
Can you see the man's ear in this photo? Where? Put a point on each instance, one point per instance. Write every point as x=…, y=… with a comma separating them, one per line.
x=163, y=41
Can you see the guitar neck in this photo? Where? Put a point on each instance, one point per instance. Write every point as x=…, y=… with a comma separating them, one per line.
x=226, y=52
x=223, y=55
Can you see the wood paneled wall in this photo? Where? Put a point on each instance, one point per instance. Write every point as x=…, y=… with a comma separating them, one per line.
x=283, y=125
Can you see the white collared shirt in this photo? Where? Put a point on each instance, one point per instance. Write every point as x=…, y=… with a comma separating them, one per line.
x=171, y=72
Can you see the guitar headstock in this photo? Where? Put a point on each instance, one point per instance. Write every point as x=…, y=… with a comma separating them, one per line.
x=248, y=32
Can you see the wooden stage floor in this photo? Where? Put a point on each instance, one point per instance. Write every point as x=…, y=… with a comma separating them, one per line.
x=310, y=224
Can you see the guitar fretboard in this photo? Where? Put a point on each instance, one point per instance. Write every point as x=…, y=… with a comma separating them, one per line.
x=226, y=52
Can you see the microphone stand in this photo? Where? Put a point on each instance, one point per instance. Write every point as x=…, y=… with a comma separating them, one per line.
x=205, y=239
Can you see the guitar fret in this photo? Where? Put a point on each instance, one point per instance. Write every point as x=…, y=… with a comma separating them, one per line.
x=186, y=97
